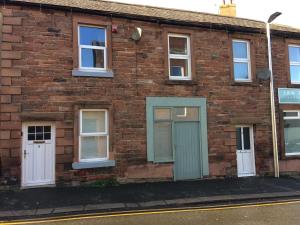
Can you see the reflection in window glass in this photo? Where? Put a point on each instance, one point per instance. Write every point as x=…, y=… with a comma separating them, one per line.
x=162, y=114
x=92, y=47
x=179, y=57
x=178, y=45
x=241, y=71
x=241, y=60
x=239, y=138
x=163, y=141
x=93, y=121
x=93, y=147
x=93, y=135
x=186, y=113
x=294, y=53
x=295, y=73
x=292, y=136
x=240, y=50
x=179, y=67
x=92, y=36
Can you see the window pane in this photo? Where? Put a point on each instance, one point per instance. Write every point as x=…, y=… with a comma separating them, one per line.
x=247, y=138
x=92, y=36
x=47, y=129
x=178, y=45
x=239, y=138
x=292, y=136
x=290, y=114
x=186, y=114
x=162, y=141
x=241, y=71
x=93, y=147
x=93, y=122
x=39, y=136
x=92, y=58
x=240, y=50
x=295, y=73
x=162, y=114
x=31, y=129
x=47, y=136
x=179, y=67
x=39, y=129
x=31, y=137
x=294, y=54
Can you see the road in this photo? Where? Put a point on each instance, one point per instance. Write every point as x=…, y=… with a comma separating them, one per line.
x=285, y=213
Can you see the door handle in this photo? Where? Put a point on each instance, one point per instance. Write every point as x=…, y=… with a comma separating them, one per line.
x=25, y=153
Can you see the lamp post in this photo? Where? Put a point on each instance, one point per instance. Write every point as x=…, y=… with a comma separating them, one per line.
x=273, y=112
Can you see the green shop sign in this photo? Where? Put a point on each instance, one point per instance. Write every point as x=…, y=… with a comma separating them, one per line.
x=289, y=95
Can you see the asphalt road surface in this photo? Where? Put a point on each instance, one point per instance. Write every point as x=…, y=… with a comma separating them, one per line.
x=286, y=213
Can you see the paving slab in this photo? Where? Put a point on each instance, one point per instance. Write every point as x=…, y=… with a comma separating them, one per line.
x=67, y=209
x=105, y=206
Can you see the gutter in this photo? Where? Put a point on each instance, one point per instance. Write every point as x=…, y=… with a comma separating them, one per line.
x=158, y=20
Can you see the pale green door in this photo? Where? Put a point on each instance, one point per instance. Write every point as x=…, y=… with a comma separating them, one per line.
x=187, y=150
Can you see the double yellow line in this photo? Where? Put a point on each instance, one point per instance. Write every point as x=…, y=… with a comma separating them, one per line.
x=144, y=213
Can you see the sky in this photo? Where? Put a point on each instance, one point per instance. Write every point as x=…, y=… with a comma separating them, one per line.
x=250, y=9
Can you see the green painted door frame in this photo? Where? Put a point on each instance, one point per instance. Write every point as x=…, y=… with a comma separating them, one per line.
x=153, y=102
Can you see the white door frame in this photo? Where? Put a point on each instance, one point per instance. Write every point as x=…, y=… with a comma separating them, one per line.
x=24, y=138
x=252, y=151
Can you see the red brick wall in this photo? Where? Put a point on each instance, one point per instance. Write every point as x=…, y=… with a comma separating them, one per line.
x=36, y=76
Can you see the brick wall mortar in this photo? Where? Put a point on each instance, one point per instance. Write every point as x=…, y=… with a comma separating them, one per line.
x=10, y=129
x=37, y=78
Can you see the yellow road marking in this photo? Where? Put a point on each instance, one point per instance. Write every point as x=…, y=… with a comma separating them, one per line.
x=139, y=213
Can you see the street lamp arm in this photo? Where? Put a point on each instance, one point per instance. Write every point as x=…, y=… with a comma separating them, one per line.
x=274, y=16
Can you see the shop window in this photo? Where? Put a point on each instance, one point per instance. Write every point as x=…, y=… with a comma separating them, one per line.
x=292, y=133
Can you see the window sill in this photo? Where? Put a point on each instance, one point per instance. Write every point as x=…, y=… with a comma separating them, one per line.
x=83, y=73
x=291, y=85
x=90, y=165
x=180, y=82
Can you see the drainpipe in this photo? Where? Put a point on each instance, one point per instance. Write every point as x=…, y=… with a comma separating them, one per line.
x=272, y=96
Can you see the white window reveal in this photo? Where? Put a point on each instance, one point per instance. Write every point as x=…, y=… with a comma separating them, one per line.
x=179, y=57
x=92, y=48
x=292, y=132
x=294, y=56
x=241, y=61
x=94, y=135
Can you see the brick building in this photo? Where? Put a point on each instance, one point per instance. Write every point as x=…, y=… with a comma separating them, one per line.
x=95, y=90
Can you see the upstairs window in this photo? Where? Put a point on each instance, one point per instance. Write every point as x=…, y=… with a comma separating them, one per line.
x=179, y=57
x=92, y=48
x=241, y=61
x=294, y=56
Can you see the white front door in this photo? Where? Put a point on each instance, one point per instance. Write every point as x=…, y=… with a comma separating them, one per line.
x=245, y=151
x=38, y=155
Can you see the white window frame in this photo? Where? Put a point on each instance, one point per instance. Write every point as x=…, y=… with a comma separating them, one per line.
x=242, y=60
x=178, y=56
x=98, y=134
x=293, y=63
x=291, y=118
x=80, y=47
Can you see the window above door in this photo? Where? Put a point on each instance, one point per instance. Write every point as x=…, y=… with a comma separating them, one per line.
x=179, y=57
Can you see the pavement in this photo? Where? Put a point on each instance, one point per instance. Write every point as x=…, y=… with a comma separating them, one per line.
x=283, y=213
x=70, y=200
